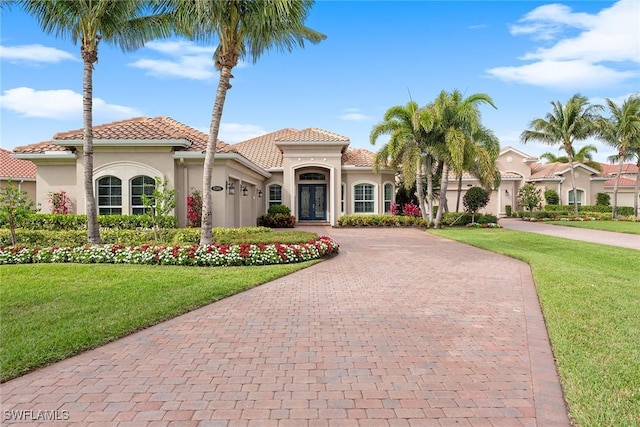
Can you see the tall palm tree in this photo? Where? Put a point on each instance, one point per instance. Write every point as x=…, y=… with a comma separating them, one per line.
x=584, y=155
x=480, y=157
x=242, y=28
x=407, y=149
x=622, y=131
x=456, y=120
x=124, y=23
x=564, y=125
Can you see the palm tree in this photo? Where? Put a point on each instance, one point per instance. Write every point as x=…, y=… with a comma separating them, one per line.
x=124, y=23
x=242, y=28
x=622, y=131
x=584, y=155
x=480, y=160
x=564, y=125
x=407, y=149
x=455, y=122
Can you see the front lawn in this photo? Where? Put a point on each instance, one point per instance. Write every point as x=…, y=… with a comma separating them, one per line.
x=590, y=296
x=52, y=311
x=617, y=226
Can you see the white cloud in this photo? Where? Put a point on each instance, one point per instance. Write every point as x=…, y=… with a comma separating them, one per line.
x=35, y=53
x=61, y=104
x=181, y=59
x=354, y=115
x=605, y=52
x=236, y=132
x=563, y=74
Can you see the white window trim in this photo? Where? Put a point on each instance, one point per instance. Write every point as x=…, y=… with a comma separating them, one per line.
x=125, y=171
x=384, y=200
x=581, y=201
x=375, y=197
x=268, y=193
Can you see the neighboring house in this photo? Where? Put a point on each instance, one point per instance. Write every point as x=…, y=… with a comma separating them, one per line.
x=21, y=173
x=518, y=168
x=626, y=185
x=312, y=171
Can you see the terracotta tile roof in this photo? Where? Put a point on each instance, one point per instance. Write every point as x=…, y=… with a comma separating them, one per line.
x=15, y=168
x=547, y=170
x=262, y=150
x=627, y=168
x=358, y=157
x=314, y=135
x=624, y=182
x=40, y=147
x=140, y=128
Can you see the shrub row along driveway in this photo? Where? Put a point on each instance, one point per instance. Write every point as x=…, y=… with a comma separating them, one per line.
x=401, y=328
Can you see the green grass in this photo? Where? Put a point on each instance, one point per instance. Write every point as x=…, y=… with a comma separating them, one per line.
x=617, y=226
x=590, y=296
x=49, y=312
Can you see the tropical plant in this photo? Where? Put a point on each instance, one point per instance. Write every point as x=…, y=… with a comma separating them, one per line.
x=60, y=202
x=128, y=24
x=243, y=29
x=622, y=131
x=564, y=125
x=160, y=203
x=475, y=199
x=584, y=155
x=408, y=149
x=194, y=208
x=15, y=206
x=456, y=122
x=530, y=197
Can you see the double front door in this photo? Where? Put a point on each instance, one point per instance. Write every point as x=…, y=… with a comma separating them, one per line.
x=313, y=202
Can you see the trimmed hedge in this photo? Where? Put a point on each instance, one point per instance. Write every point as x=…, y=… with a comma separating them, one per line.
x=360, y=220
x=79, y=222
x=568, y=209
x=463, y=218
x=277, y=220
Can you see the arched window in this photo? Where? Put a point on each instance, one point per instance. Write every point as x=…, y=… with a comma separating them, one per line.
x=275, y=194
x=312, y=176
x=364, y=198
x=109, y=195
x=388, y=197
x=140, y=185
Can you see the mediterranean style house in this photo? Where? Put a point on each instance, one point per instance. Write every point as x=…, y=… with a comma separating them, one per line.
x=518, y=168
x=312, y=171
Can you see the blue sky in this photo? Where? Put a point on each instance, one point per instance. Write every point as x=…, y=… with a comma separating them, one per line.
x=524, y=54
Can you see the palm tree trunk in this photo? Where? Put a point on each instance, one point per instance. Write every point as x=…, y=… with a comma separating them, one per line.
x=420, y=189
x=614, y=209
x=93, y=228
x=430, y=189
x=637, y=192
x=459, y=193
x=443, y=194
x=216, y=118
x=573, y=183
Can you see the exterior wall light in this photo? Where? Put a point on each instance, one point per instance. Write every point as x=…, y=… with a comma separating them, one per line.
x=245, y=190
x=231, y=188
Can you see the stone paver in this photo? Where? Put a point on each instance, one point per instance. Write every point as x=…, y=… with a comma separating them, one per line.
x=400, y=329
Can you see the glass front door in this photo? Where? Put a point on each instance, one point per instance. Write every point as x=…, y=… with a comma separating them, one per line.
x=313, y=201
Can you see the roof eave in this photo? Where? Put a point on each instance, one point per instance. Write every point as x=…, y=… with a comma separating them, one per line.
x=125, y=142
x=45, y=155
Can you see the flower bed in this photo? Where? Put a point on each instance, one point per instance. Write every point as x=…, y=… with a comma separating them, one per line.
x=195, y=255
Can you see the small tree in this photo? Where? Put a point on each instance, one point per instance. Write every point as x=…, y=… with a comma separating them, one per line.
x=551, y=196
x=603, y=199
x=15, y=206
x=475, y=199
x=530, y=197
x=160, y=203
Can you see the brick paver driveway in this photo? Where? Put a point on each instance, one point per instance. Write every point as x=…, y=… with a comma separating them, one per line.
x=400, y=329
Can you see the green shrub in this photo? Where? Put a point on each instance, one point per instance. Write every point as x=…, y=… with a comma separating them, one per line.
x=508, y=210
x=360, y=220
x=455, y=219
x=279, y=209
x=79, y=222
x=603, y=199
x=551, y=197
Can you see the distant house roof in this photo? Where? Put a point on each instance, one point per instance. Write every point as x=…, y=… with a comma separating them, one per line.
x=627, y=168
x=132, y=130
x=15, y=169
x=313, y=135
x=526, y=157
x=542, y=171
x=624, y=182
